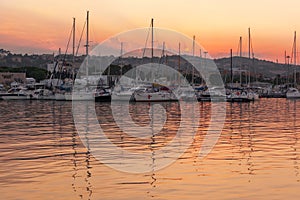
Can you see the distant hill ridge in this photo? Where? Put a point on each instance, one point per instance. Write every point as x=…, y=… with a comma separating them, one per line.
x=256, y=66
x=262, y=67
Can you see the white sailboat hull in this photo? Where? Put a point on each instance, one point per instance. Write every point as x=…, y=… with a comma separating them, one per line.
x=79, y=97
x=122, y=96
x=14, y=97
x=293, y=93
x=60, y=97
x=154, y=97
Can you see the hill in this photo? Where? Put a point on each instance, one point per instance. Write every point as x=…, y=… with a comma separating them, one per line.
x=262, y=68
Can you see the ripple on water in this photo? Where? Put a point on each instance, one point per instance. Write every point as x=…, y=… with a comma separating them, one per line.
x=256, y=156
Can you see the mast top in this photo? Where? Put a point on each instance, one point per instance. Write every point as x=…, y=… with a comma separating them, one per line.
x=152, y=38
x=87, y=33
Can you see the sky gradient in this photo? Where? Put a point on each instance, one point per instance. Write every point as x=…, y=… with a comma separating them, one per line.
x=43, y=26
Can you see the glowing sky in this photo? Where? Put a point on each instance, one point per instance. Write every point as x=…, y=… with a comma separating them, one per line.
x=33, y=26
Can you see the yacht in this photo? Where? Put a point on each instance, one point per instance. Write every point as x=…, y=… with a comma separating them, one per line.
x=80, y=95
x=292, y=93
x=186, y=94
x=17, y=93
x=102, y=94
x=213, y=94
x=126, y=93
x=154, y=95
x=43, y=94
x=241, y=95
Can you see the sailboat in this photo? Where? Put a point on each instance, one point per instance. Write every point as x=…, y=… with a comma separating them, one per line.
x=16, y=93
x=154, y=94
x=85, y=94
x=64, y=92
x=241, y=94
x=293, y=92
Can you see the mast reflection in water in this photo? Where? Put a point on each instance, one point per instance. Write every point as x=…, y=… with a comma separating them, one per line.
x=256, y=157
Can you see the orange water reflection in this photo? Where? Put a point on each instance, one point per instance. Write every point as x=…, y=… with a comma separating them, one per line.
x=256, y=157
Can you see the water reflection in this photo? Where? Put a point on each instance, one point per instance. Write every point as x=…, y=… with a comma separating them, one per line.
x=42, y=157
x=81, y=184
x=295, y=145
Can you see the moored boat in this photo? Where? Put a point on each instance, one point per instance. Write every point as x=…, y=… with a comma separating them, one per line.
x=240, y=95
x=43, y=94
x=16, y=93
x=154, y=95
x=292, y=93
x=102, y=94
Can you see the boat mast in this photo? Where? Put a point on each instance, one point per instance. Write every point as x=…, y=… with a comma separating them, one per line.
x=193, y=72
x=121, y=53
x=201, y=64
x=73, y=65
x=163, y=60
x=285, y=66
x=179, y=63
x=152, y=47
x=249, y=43
x=295, y=59
x=163, y=53
x=194, y=45
x=231, y=74
x=152, y=40
x=87, y=34
x=241, y=49
x=249, y=55
x=87, y=42
x=73, y=40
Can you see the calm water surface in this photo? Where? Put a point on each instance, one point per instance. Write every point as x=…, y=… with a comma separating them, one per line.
x=256, y=156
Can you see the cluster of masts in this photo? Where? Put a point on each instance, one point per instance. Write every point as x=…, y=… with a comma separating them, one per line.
x=288, y=59
x=149, y=93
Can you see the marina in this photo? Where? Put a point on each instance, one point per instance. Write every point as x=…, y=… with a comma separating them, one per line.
x=69, y=83
x=158, y=100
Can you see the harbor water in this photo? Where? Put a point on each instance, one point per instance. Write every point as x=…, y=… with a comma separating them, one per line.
x=257, y=155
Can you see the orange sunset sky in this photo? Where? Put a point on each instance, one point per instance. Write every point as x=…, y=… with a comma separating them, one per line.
x=32, y=26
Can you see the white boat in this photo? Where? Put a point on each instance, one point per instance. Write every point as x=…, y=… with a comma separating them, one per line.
x=125, y=93
x=253, y=96
x=80, y=95
x=237, y=97
x=122, y=95
x=241, y=95
x=16, y=93
x=212, y=94
x=151, y=95
x=43, y=94
x=292, y=93
x=59, y=96
x=186, y=94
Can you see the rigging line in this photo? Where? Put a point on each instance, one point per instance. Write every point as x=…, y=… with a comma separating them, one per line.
x=155, y=40
x=162, y=54
x=93, y=36
x=80, y=38
x=146, y=40
x=68, y=45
